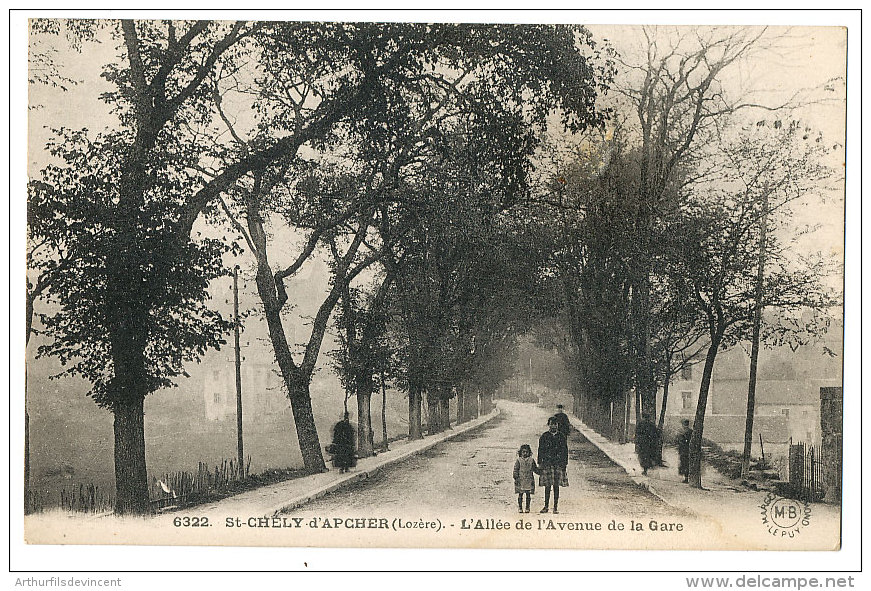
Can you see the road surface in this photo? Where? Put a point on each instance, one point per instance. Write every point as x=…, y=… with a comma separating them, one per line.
x=473, y=472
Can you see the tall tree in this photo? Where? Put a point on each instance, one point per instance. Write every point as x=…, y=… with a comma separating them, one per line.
x=716, y=254
x=125, y=195
x=363, y=353
x=589, y=191
x=382, y=85
x=678, y=97
x=779, y=164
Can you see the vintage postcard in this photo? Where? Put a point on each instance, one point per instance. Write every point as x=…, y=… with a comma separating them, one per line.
x=434, y=284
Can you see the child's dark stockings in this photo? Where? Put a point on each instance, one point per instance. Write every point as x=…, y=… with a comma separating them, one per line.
x=520, y=501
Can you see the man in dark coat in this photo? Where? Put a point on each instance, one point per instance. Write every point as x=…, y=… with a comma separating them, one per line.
x=645, y=442
x=553, y=457
x=683, y=450
x=343, y=447
x=565, y=426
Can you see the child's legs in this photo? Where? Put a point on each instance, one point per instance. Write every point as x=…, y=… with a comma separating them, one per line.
x=520, y=500
x=527, y=500
x=546, y=495
x=555, y=495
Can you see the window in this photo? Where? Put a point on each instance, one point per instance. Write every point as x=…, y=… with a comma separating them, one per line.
x=785, y=412
x=216, y=374
x=686, y=372
x=686, y=400
x=217, y=397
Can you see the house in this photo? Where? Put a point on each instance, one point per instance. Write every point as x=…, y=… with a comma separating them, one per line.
x=787, y=396
x=261, y=394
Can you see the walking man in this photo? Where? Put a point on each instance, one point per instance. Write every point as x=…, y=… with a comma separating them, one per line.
x=683, y=450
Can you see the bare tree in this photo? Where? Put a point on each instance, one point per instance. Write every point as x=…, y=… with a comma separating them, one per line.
x=678, y=97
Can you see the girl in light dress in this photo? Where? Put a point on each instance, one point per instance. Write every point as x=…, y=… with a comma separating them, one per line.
x=524, y=476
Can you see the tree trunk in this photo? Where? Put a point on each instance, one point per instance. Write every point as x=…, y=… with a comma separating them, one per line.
x=645, y=384
x=695, y=467
x=657, y=450
x=295, y=380
x=131, y=479
x=461, y=404
x=384, y=438
x=486, y=401
x=28, y=315
x=664, y=403
x=618, y=418
x=472, y=404
x=306, y=431
x=128, y=388
x=434, y=422
x=365, y=436
x=445, y=409
x=637, y=407
x=298, y=393
x=300, y=400
x=627, y=408
x=415, y=430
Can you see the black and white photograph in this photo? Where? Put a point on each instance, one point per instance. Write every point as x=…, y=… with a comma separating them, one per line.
x=432, y=282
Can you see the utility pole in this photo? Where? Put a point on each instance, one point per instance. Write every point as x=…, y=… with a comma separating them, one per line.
x=241, y=465
x=754, y=350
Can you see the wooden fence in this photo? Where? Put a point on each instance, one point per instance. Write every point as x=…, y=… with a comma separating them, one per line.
x=87, y=499
x=178, y=488
x=173, y=489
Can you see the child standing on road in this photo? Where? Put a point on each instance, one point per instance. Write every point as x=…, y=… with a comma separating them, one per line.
x=524, y=476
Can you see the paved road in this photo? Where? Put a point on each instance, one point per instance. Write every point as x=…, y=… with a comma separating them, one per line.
x=459, y=493
x=473, y=473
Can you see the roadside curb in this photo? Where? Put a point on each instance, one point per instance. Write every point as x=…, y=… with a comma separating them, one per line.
x=431, y=442
x=632, y=470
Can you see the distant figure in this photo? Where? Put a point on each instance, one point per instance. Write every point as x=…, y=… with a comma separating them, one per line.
x=683, y=450
x=343, y=448
x=565, y=426
x=646, y=437
x=553, y=456
x=524, y=476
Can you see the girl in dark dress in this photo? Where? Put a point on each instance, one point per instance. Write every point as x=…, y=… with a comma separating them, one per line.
x=553, y=457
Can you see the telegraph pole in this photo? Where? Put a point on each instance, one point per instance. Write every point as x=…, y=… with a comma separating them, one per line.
x=241, y=464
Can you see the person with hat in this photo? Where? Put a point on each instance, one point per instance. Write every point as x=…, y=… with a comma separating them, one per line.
x=565, y=426
x=683, y=450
